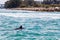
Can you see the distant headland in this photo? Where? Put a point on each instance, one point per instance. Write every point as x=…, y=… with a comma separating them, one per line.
x=45, y=5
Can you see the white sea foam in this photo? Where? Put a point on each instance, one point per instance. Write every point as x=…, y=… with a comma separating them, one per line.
x=32, y=15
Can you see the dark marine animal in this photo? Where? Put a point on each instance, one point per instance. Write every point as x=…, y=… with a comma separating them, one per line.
x=20, y=28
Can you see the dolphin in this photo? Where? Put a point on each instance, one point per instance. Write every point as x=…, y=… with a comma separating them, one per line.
x=20, y=28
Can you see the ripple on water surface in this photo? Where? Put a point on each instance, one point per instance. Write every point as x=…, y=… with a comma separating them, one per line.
x=34, y=28
x=45, y=28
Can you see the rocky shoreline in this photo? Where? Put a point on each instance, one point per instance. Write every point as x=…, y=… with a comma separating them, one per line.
x=38, y=9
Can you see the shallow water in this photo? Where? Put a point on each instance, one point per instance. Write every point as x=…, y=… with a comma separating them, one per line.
x=37, y=25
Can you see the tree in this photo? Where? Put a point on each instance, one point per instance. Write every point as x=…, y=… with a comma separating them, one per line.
x=29, y=2
x=12, y=3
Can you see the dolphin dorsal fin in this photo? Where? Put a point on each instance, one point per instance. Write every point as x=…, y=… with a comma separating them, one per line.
x=20, y=26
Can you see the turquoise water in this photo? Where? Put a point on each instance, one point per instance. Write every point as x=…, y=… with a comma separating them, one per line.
x=37, y=25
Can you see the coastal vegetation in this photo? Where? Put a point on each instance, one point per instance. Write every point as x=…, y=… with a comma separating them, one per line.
x=20, y=3
x=27, y=3
x=12, y=3
x=49, y=5
x=31, y=5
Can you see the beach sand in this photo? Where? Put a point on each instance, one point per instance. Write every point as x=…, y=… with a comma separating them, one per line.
x=38, y=9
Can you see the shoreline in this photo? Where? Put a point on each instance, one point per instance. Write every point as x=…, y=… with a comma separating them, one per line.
x=38, y=9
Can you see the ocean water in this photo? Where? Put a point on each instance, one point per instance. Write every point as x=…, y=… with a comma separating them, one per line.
x=37, y=25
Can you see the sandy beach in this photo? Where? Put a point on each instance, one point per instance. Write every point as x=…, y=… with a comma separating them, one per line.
x=38, y=9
